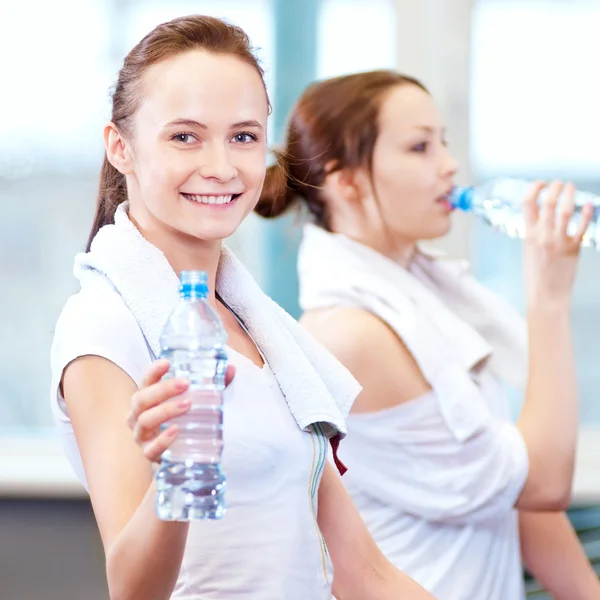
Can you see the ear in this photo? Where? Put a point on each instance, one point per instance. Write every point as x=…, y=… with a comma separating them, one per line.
x=117, y=150
x=342, y=184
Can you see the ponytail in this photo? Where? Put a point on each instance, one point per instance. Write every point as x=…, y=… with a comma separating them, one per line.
x=279, y=193
x=290, y=183
x=112, y=191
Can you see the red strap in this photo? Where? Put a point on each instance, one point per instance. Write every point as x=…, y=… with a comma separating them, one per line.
x=335, y=442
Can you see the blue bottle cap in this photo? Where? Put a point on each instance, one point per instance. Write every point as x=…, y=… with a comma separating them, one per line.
x=462, y=198
x=193, y=284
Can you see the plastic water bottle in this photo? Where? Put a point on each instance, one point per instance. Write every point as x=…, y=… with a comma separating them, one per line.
x=498, y=203
x=190, y=482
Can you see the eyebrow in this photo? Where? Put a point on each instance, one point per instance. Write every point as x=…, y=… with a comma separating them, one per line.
x=429, y=129
x=192, y=123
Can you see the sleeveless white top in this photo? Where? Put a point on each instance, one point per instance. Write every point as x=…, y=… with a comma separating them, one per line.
x=268, y=545
x=436, y=478
x=440, y=510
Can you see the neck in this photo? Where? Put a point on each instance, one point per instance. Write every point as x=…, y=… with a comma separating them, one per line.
x=401, y=253
x=384, y=242
x=368, y=228
x=183, y=252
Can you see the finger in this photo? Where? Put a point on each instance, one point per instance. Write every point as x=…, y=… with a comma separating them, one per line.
x=530, y=205
x=151, y=420
x=155, y=394
x=155, y=372
x=547, y=217
x=154, y=450
x=229, y=374
x=565, y=211
x=586, y=215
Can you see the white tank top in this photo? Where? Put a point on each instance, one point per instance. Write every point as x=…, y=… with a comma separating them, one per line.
x=441, y=510
x=268, y=546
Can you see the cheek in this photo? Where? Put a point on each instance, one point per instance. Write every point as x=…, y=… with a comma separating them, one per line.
x=417, y=174
x=399, y=180
x=404, y=188
x=161, y=169
x=252, y=168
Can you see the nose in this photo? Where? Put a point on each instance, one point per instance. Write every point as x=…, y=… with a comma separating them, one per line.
x=216, y=164
x=450, y=165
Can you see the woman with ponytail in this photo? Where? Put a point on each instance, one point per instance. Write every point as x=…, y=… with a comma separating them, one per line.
x=185, y=163
x=450, y=488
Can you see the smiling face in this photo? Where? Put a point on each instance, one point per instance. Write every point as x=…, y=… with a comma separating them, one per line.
x=197, y=147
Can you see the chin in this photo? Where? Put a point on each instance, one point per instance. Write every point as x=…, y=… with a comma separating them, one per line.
x=212, y=234
x=211, y=227
x=438, y=231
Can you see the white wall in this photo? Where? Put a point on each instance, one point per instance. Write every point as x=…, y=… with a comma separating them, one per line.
x=433, y=45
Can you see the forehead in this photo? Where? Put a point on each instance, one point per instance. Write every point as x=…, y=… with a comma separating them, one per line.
x=407, y=106
x=210, y=88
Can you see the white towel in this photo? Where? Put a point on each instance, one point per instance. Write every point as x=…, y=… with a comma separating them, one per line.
x=449, y=322
x=317, y=388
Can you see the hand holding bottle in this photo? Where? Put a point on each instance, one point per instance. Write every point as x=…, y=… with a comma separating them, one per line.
x=157, y=402
x=551, y=252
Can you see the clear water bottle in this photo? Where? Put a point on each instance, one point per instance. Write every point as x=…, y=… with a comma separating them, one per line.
x=498, y=203
x=190, y=482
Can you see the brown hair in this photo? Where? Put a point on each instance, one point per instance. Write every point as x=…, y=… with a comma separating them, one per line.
x=333, y=126
x=196, y=32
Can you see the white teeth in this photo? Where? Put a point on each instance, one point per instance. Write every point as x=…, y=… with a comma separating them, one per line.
x=209, y=199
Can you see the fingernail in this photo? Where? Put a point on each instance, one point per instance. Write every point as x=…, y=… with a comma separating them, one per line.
x=181, y=384
x=183, y=403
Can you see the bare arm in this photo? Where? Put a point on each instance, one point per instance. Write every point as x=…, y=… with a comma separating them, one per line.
x=550, y=416
x=143, y=554
x=553, y=555
x=361, y=570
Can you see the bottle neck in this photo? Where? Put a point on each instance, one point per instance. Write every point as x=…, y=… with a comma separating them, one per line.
x=462, y=198
x=192, y=297
x=193, y=292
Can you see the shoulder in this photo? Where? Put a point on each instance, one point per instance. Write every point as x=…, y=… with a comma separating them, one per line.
x=341, y=328
x=97, y=314
x=96, y=321
x=99, y=300
x=371, y=351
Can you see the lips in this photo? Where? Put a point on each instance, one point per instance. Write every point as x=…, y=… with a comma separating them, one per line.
x=445, y=201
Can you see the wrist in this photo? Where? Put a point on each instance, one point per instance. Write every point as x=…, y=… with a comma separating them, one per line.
x=542, y=306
